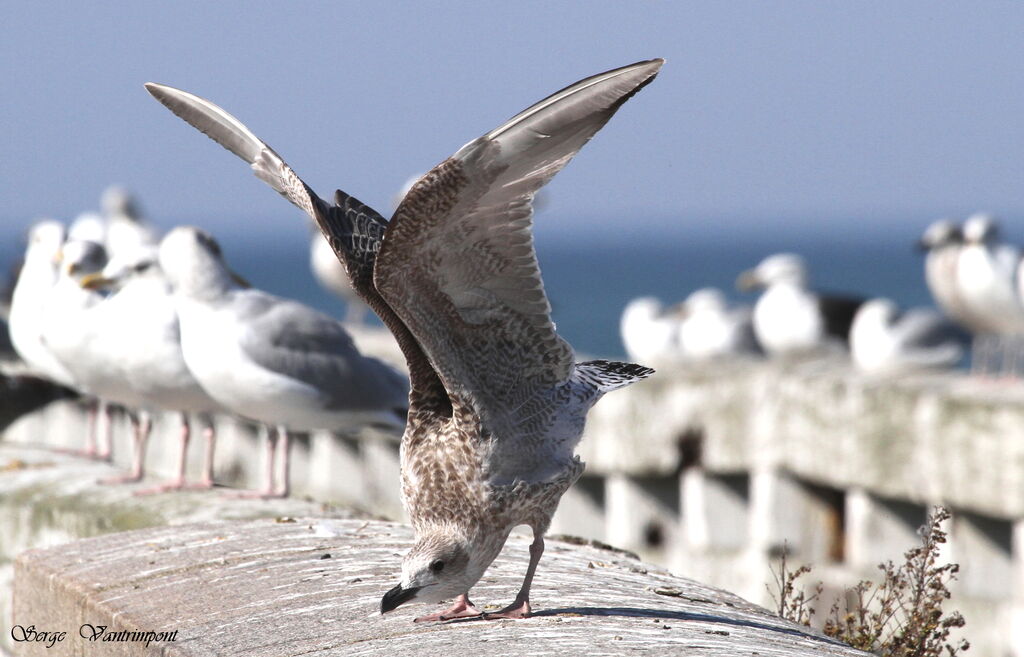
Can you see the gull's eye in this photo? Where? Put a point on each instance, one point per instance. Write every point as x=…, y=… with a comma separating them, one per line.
x=436, y=565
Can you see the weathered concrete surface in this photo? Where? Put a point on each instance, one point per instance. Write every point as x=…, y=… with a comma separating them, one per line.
x=48, y=498
x=925, y=438
x=270, y=588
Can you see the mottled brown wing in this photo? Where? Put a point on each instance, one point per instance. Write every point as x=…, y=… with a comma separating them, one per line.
x=458, y=265
x=354, y=230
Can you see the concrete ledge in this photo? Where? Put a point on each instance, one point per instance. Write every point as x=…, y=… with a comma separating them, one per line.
x=48, y=498
x=313, y=586
x=927, y=438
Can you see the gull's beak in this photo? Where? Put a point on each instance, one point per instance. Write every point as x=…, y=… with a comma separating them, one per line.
x=748, y=281
x=58, y=256
x=239, y=280
x=397, y=596
x=96, y=282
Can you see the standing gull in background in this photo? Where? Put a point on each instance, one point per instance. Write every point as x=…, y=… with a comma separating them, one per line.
x=883, y=339
x=269, y=359
x=942, y=242
x=987, y=277
x=789, y=318
x=498, y=401
x=35, y=283
x=68, y=332
x=709, y=329
x=139, y=325
x=649, y=333
x=987, y=283
x=125, y=229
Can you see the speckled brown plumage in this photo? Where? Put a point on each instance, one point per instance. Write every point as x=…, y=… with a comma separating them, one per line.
x=498, y=402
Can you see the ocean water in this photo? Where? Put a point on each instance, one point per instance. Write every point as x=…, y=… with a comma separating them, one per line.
x=589, y=279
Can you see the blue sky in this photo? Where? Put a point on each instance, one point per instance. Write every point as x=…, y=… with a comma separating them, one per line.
x=767, y=115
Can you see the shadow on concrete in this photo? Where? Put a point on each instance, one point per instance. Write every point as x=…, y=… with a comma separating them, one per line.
x=664, y=614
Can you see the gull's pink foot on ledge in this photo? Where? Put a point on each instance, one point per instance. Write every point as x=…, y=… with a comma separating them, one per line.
x=514, y=611
x=462, y=608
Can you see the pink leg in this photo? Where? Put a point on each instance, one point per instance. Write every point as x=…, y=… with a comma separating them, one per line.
x=103, y=428
x=462, y=608
x=90, y=434
x=143, y=425
x=89, y=451
x=210, y=437
x=179, y=480
x=520, y=608
x=268, y=490
x=284, y=448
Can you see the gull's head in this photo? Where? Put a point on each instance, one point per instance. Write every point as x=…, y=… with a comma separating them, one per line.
x=778, y=268
x=118, y=201
x=704, y=300
x=877, y=312
x=642, y=309
x=981, y=228
x=940, y=233
x=125, y=267
x=194, y=264
x=439, y=567
x=44, y=240
x=81, y=258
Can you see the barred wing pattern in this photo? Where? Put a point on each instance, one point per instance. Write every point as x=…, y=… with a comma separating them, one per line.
x=458, y=264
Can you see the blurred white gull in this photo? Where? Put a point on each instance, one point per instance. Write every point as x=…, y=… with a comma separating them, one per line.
x=883, y=339
x=88, y=227
x=987, y=277
x=35, y=283
x=137, y=326
x=126, y=231
x=649, y=333
x=71, y=339
x=790, y=319
x=270, y=359
x=709, y=329
x=942, y=243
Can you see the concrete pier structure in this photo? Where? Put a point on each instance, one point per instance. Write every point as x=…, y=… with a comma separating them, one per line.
x=711, y=471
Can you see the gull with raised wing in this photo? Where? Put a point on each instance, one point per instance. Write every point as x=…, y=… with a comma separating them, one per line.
x=497, y=401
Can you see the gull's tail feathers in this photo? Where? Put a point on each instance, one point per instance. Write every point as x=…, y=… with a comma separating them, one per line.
x=608, y=375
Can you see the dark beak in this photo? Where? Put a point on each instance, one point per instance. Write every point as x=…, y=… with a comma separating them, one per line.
x=397, y=596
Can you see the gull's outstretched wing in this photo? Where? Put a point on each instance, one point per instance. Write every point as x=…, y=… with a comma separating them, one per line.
x=458, y=265
x=354, y=230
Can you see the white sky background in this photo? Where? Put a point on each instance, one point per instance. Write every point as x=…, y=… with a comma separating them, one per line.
x=837, y=114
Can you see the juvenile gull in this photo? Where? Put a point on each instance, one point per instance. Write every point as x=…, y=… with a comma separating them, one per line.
x=269, y=359
x=789, y=318
x=883, y=339
x=497, y=402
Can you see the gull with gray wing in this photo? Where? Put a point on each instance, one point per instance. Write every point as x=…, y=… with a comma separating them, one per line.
x=269, y=359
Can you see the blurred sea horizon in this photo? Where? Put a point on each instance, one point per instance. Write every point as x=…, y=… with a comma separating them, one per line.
x=589, y=278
